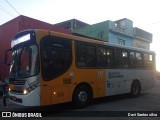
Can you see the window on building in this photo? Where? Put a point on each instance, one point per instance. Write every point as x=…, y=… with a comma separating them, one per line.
x=100, y=35
x=137, y=45
x=121, y=42
x=115, y=24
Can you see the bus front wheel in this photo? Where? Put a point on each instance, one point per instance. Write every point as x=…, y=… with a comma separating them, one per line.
x=135, y=89
x=81, y=96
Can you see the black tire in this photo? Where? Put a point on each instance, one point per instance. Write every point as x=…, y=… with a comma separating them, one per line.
x=135, y=89
x=82, y=96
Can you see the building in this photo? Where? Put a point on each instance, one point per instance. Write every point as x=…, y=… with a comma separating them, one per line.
x=118, y=32
x=9, y=29
x=121, y=32
x=142, y=39
x=72, y=24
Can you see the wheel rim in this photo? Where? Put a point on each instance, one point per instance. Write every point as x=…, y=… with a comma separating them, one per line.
x=82, y=96
x=135, y=90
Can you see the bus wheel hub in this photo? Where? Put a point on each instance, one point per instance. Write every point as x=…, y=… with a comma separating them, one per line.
x=82, y=96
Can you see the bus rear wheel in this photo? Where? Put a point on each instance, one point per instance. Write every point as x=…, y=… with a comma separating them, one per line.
x=135, y=89
x=82, y=96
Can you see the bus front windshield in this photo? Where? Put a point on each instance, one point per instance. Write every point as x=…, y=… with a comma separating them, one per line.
x=24, y=62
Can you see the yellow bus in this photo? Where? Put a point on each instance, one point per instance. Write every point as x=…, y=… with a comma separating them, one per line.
x=51, y=68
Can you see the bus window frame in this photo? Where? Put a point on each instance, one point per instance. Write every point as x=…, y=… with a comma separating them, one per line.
x=152, y=62
x=82, y=65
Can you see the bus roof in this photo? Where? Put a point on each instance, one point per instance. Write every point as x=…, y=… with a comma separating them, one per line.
x=90, y=40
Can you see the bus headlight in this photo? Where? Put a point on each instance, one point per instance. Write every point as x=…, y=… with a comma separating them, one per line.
x=25, y=91
x=29, y=89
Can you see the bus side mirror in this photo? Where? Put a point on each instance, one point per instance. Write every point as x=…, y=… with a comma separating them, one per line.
x=7, y=57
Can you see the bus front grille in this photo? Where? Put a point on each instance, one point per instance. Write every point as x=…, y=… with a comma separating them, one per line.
x=19, y=82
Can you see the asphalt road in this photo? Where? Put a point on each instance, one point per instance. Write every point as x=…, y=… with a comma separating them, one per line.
x=119, y=107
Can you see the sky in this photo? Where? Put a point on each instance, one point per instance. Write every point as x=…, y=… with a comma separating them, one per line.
x=144, y=13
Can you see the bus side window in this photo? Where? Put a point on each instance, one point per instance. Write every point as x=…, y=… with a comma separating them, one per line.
x=139, y=60
x=148, y=61
x=81, y=57
x=110, y=60
x=121, y=58
x=91, y=56
x=105, y=57
x=125, y=59
x=132, y=60
x=86, y=55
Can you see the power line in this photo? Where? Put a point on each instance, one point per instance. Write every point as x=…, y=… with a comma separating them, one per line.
x=149, y=24
x=3, y=16
x=153, y=23
x=6, y=11
x=12, y=7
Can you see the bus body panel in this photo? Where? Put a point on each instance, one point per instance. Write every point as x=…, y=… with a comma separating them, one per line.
x=119, y=80
x=31, y=99
x=61, y=89
x=102, y=81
